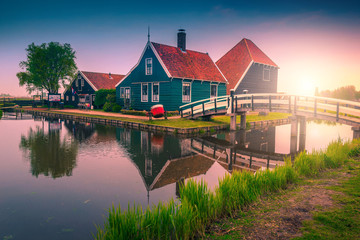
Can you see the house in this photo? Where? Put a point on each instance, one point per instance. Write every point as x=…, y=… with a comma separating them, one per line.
x=83, y=87
x=171, y=76
x=248, y=69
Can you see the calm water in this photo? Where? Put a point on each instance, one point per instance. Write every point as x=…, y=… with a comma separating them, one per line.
x=58, y=178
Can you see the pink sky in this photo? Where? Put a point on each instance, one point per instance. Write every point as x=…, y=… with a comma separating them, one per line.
x=309, y=56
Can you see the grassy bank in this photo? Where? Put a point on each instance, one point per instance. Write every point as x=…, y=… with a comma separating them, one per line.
x=199, y=206
x=179, y=122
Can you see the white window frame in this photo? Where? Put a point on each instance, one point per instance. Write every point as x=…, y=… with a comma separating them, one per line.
x=67, y=98
x=152, y=90
x=122, y=92
x=266, y=69
x=148, y=66
x=77, y=81
x=82, y=82
x=216, y=93
x=129, y=93
x=73, y=98
x=147, y=91
x=182, y=92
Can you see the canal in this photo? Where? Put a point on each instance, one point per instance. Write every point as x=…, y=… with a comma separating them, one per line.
x=59, y=177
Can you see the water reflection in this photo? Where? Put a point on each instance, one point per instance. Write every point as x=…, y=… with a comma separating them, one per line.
x=50, y=154
x=81, y=131
x=161, y=159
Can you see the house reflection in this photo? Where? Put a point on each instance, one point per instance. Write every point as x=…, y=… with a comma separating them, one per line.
x=80, y=130
x=162, y=159
x=50, y=153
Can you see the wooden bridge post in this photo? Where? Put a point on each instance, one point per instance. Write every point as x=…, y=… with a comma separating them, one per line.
x=192, y=111
x=269, y=103
x=252, y=102
x=233, y=115
x=295, y=104
x=337, y=111
x=294, y=134
x=315, y=107
x=215, y=105
x=236, y=104
x=302, y=137
x=203, y=108
x=243, y=120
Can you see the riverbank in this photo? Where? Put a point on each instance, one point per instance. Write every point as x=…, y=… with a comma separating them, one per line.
x=200, y=206
x=323, y=207
x=173, y=124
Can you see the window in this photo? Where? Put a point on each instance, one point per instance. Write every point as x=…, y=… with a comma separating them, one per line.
x=67, y=98
x=266, y=74
x=186, y=92
x=155, y=92
x=73, y=98
x=127, y=93
x=213, y=90
x=148, y=66
x=82, y=82
x=77, y=81
x=122, y=92
x=144, y=92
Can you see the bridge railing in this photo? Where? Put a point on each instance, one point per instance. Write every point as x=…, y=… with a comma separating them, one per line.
x=204, y=106
x=273, y=102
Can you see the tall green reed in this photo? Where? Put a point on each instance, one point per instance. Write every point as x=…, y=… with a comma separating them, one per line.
x=199, y=206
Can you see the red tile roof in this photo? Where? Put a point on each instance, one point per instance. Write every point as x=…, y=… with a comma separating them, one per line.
x=103, y=80
x=235, y=62
x=189, y=64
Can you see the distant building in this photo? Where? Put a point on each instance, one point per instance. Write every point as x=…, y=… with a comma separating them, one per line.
x=248, y=69
x=83, y=87
x=172, y=76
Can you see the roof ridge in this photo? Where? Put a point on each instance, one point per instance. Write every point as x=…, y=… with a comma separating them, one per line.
x=180, y=49
x=247, y=47
x=230, y=50
x=101, y=72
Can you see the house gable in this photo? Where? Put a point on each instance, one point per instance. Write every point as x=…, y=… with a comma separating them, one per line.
x=237, y=62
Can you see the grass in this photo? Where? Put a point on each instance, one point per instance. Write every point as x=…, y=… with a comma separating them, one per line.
x=253, y=118
x=199, y=206
x=182, y=122
x=343, y=221
x=1, y=113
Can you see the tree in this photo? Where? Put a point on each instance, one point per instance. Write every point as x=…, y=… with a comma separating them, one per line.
x=46, y=66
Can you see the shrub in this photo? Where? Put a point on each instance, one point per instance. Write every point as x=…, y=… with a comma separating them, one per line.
x=116, y=108
x=101, y=96
x=0, y=114
x=107, y=107
x=69, y=106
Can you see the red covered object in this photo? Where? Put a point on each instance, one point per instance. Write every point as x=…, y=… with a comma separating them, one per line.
x=157, y=111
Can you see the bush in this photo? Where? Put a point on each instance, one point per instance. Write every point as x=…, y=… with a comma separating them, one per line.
x=0, y=114
x=107, y=107
x=116, y=108
x=69, y=106
x=101, y=96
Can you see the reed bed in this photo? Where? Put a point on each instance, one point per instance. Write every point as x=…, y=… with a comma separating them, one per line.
x=199, y=205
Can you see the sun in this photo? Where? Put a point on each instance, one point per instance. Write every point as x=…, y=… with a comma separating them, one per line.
x=306, y=86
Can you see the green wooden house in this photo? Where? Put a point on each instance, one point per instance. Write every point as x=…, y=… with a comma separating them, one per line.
x=171, y=76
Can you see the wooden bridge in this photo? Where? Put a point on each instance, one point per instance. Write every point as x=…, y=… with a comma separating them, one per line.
x=342, y=111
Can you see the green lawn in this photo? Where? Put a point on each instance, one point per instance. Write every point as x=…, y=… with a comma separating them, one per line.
x=185, y=123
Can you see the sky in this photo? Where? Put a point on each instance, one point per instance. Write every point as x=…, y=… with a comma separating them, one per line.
x=315, y=43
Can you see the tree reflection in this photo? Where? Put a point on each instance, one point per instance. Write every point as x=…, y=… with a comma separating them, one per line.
x=49, y=154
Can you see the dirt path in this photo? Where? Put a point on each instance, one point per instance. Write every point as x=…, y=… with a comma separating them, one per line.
x=280, y=215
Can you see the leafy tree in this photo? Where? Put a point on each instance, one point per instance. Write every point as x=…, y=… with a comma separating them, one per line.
x=46, y=66
x=49, y=153
x=101, y=97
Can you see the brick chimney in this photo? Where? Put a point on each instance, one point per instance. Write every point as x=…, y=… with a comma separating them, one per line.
x=181, y=40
